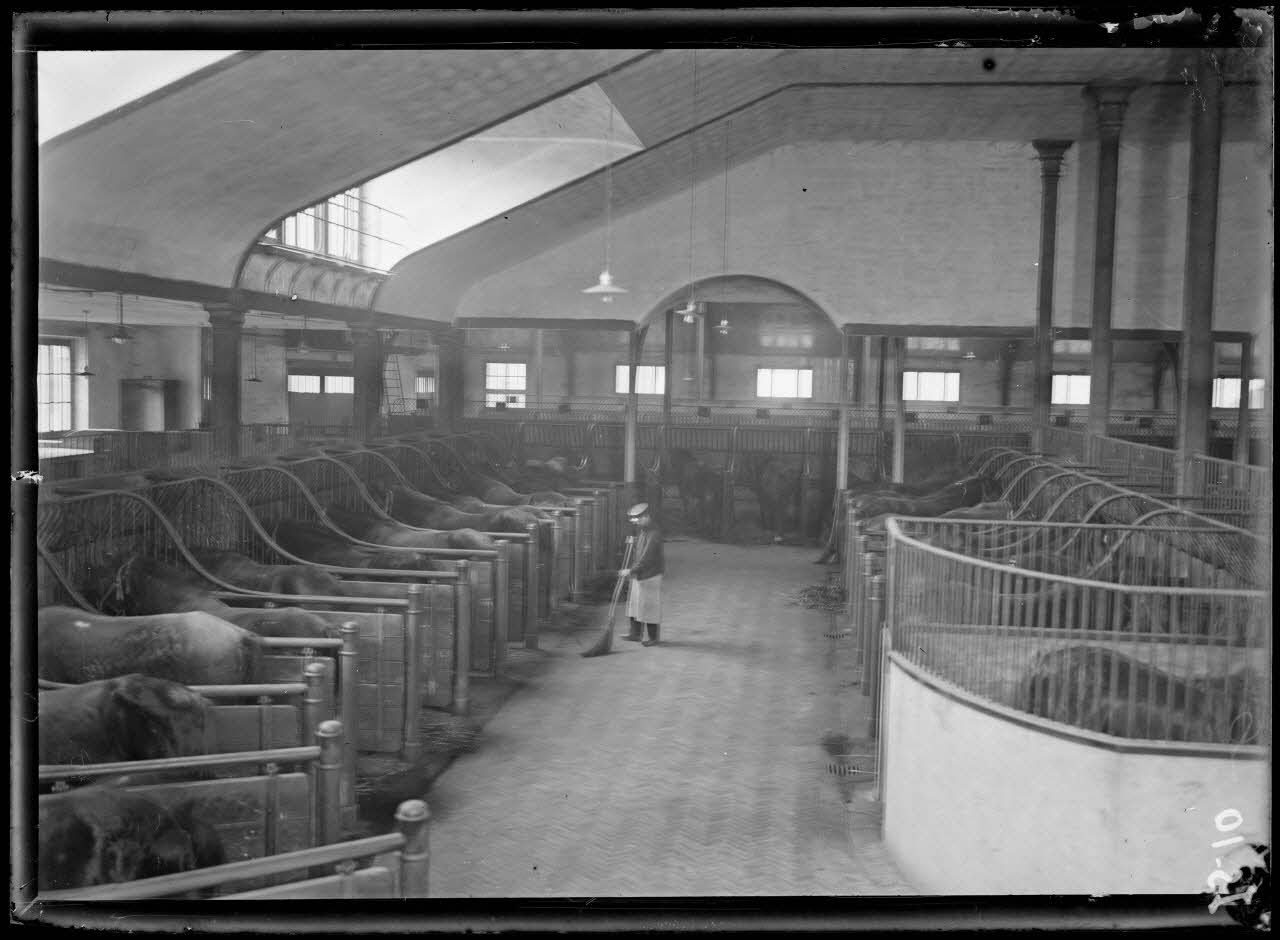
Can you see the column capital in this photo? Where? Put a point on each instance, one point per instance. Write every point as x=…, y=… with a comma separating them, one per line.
x=1110, y=99
x=1050, y=153
x=224, y=315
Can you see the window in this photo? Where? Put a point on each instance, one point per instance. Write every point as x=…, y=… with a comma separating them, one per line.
x=650, y=380
x=1070, y=389
x=784, y=383
x=930, y=386
x=504, y=384
x=933, y=343
x=53, y=387
x=424, y=388
x=1226, y=392
x=339, y=385
x=305, y=384
x=1072, y=347
x=332, y=227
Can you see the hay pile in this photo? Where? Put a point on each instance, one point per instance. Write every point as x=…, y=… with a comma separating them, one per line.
x=829, y=596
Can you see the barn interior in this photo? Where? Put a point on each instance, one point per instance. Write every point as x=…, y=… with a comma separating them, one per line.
x=984, y=325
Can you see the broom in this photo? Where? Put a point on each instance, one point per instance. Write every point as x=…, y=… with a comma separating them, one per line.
x=605, y=642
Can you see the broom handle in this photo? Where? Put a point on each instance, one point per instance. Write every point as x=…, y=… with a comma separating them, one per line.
x=626, y=563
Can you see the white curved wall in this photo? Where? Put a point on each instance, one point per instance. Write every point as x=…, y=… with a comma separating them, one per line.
x=975, y=803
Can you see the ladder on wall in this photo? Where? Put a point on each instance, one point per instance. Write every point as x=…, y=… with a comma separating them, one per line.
x=392, y=383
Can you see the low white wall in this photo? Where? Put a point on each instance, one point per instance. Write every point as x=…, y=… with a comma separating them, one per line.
x=980, y=801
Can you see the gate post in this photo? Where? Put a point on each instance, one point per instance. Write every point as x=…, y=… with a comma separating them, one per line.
x=876, y=597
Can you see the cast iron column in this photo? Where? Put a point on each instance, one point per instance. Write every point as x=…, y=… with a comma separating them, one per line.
x=451, y=380
x=1110, y=102
x=1050, y=153
x=1196, y=375
x=631, y=416
x=666, y=387
x=366, y=363
x=900, y=409
x=1240, y=453
x=842, y=435
x=227, y=323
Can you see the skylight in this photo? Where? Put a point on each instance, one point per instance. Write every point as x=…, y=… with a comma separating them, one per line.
x=483, y=176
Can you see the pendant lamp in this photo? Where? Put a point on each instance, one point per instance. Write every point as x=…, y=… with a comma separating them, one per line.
x=690, y=311
x=121, y=335
x=84, y=372
x=605, y=287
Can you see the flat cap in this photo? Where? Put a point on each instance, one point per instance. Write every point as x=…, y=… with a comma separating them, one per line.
x=639, y=509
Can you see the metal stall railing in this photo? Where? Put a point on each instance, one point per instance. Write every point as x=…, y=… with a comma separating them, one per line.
x=335, y=484
x=1161, y=658
x=423, y=472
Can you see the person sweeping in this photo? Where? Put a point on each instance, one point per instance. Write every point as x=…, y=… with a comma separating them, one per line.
x=644, y=601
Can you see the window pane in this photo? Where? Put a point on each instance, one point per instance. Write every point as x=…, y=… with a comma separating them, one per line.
x=304, y=384
x=763, y=383
x=930, y=386
x=340, y=384
x=53, y=387
x=501, y=376
x=1257, y=390
x=804, y=387
x=1070, y=389
x=492, y=399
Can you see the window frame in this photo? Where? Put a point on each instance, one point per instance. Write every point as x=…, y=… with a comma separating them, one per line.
x=493, y=393
x=775, y=369
x=289, y=389
x=1257, y=386
x=1053, y=381
x=946, y=375
x=659, y=373
x=69, y=344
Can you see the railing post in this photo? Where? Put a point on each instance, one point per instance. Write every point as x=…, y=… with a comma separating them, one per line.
x=349, y=710
x=462, y=640
x=531, y=591
x=329, y=796
x=414, y=672
x=501, y=603
x=876, y=598
x=313, y=702
x=413, y=820
x=866, y=624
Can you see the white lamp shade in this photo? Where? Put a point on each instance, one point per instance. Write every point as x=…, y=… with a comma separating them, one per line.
x=604, y=286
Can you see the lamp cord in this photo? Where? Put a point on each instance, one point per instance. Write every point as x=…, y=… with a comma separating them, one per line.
x=608, y=187
x=724, y=239
x=693, y=172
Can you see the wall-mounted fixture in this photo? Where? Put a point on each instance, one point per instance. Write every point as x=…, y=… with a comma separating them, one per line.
x=723, y=327
x=605, y=286
x=121, y=335
x=302, y=339
x=253, y=377
x=84, y=372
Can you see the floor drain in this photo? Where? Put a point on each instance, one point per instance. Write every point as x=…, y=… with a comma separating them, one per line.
x=849, y=770
x=838, y=634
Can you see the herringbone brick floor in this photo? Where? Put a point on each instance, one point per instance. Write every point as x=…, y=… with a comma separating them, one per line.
x=690, y=768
